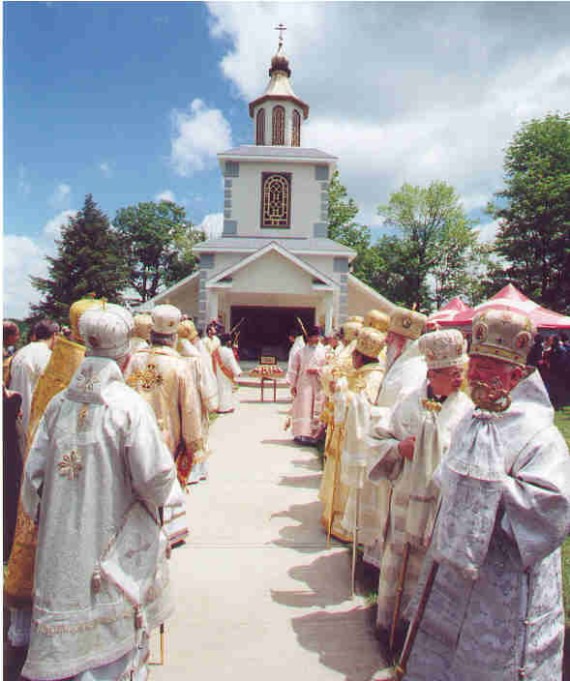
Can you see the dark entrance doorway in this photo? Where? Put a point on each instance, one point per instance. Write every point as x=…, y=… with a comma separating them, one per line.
x=264, y=330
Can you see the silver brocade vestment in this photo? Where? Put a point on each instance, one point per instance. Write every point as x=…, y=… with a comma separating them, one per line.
x=97, y=451
x=495, y=611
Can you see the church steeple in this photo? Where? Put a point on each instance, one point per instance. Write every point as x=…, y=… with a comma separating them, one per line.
x=278, y=113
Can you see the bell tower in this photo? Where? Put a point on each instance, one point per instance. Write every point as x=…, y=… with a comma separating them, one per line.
x=278, y=114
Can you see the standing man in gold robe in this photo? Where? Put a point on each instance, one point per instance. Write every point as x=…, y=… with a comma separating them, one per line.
x=168, y=382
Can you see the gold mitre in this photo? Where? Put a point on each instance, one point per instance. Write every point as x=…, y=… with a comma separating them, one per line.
x=377, y=320
x=407, y=323
x=359, y=319
x=143, y=325
x=77, y=309
x=502, y=334
x=443, y=349
x=370, y=342
x=350, y=329
x=187, y=329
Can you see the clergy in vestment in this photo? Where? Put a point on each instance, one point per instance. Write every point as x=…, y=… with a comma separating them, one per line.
x=405, y=371
x=169, y=383
x=227, y=370
x=96, y=475
x=190, y=345
x=362, y=383
x=10, y=336
x=405, y=451
x=140, y=338
x=30, y=362
x=64, y=360
x=297, y=342
x=308, y=396
x=495, y=608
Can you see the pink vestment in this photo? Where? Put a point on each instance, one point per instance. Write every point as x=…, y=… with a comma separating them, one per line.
x=308, y=403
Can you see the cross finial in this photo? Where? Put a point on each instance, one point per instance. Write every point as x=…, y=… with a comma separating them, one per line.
x=281, y=28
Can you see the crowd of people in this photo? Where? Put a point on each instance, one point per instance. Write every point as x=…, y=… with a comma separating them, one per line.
x=104, y=429
x=444, y=469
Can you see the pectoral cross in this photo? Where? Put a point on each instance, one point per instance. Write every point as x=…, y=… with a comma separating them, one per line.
x=280, y=28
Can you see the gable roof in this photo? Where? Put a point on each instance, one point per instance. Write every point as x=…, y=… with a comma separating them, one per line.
x=273, y=246
x=151, y=302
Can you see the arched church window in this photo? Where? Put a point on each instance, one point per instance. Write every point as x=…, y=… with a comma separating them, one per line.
x=278, y=120
x=260, y=127
x=276, y=200
x=296, y=131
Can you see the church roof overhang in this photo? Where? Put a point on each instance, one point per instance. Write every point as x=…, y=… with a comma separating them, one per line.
x=278, y=154
x=280, y=98
x=163, y=295
x=295, y=245
x=321, y=281
x=383, y=303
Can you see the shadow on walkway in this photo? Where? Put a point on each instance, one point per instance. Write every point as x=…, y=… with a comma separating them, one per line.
x=327, y=580
x=306, y=535
x=307, y=481
x=343, y=640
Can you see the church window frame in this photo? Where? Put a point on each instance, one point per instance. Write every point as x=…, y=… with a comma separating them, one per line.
x=278, y=126
x=296, y=129
x=276, y=200
x=260, y=128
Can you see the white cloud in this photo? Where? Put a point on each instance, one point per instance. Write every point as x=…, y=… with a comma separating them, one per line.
x=198, y=134
x=488, y=231
x=106, y=169
x=24, y=186
x=60, y=196
x=212, y=225
x=407, y=92
x=166, y=195
x=52, y=228
x=23, y=257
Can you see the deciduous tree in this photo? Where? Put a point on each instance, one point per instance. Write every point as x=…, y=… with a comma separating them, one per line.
x=534, y=211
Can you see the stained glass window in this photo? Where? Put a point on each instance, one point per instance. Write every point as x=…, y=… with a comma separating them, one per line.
x=260, y=127
x=296, y=132
x=276, y=200
x=278, y=120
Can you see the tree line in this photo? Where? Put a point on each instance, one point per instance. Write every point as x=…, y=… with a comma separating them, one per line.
x=430, y=254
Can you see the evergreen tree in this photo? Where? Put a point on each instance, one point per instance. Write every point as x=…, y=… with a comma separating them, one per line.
x=88, y=261
x=534, y=212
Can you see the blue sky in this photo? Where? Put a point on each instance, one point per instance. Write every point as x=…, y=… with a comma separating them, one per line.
x=131, y=101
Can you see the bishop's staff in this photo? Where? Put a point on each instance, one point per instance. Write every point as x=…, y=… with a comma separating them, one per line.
x=303, y=328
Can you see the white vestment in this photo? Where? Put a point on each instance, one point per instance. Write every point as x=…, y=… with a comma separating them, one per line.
x=495, y=608
x=226, y=395
x=298, y=344
x=97, y=459
x=27, y=366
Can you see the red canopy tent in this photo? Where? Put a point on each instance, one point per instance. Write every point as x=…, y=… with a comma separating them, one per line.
x=448, y=313
x=510, y=298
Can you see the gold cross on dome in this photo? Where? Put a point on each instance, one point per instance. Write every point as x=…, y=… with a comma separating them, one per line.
x=280, y=28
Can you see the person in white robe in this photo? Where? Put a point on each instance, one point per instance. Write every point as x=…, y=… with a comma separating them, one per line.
x=494, y=610
x=297, y=343
x=29, y=363
x=405, y=452
x=405, y=371
x=227, y=370
x=190, y=345
x=96, y=476
x=306, y=390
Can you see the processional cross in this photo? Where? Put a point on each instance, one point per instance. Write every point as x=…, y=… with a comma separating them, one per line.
x=281, y=28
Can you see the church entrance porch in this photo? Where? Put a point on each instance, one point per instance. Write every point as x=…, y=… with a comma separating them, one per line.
x=265, y=330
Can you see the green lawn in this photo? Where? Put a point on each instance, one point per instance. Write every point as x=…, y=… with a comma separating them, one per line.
x=562, y=419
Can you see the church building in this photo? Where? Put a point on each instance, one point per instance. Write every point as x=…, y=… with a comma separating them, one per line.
x=273, y=264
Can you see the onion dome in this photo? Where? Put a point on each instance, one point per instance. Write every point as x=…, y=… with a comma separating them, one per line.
x=279, y=62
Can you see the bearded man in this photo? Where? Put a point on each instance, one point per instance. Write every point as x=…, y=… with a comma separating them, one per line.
x=405, y=451
x=96, y=475
x=493, y=597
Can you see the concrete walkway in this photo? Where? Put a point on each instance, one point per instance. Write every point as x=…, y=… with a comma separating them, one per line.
x=259, y=595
